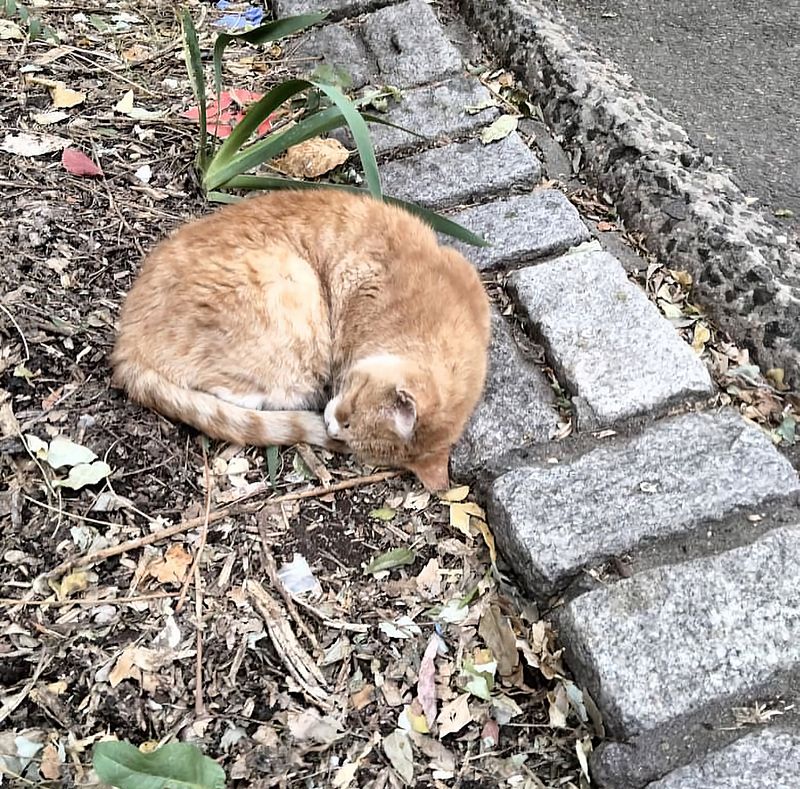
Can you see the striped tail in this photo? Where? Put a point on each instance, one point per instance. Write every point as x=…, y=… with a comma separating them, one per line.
x=217, y=418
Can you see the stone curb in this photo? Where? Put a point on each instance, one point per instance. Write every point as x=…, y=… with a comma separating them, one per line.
x=710, y=634
x=746, y=272
x=656, y=486
x=609, y=342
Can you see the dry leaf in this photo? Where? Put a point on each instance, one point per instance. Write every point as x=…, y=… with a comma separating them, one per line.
x=496, y=631
x=74, y=582
x=50, y=766
x=559, y=707
x=701, y=336
x=172, y=568
x=64, y=97
x=460, y=513
x=499, y=129
x=124, y=668
x=310, y=726
x=428, y=582
x=312, y=158
x=363, y=697
x=78, y=163
x=397, y=748
x=25, y=144
x=125, y=107
x=455, y=494
x=488, y=537
x=454, y=716
x=426, y=682
x=48, y=118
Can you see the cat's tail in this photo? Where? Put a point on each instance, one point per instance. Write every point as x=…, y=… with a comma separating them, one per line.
x=218, y=418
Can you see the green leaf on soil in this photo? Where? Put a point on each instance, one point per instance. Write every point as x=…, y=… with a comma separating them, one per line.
x=787, y=429
x=273, y=462
x=178, y=765
x=383, y=514
x=399, y=557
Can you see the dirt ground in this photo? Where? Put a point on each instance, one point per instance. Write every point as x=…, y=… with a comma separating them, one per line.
x=193, y=636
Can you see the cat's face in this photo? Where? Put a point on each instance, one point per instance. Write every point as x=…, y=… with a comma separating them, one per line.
x=385, y=421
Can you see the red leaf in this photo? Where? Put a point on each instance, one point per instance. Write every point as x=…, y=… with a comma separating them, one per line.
x=78, y=163
x=243, y=97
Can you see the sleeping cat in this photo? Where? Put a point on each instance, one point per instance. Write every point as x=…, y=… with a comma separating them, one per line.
x=246, y=322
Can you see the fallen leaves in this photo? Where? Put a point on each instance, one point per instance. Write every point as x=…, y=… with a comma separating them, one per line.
x=125, y=106
x=454, y=716
x=499, y=129
x=172, y=567
x=78, y=163
x=29, y=144
x=223, y=115
x=61, y=452
x=312, y=158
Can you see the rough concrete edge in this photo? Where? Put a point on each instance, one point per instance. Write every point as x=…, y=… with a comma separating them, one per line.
x=747, y=272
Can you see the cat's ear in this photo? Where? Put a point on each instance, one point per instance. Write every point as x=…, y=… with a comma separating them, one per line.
x=404, y=413
x=432, y=472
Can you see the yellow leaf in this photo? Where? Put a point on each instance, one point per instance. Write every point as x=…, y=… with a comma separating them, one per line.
x=312, y=158
x=63, y=96
x=417, y=720
x=701, y=336
x=455, y=494
x=74, y=582
x=488, y=537
x=460, y=513
x=681, y=277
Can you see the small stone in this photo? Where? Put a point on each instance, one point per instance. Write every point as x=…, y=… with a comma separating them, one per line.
x=521, y=229
x=436, y=112
x=410, y=45
x=518, y=407
x=551, y=521
x=457, y=173
x=657, y=649
x=619, y=356
x=765, y=759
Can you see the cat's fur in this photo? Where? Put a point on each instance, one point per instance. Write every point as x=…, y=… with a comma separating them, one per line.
x=283, y=301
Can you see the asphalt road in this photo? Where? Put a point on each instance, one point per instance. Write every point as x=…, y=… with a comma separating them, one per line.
x=727, y=70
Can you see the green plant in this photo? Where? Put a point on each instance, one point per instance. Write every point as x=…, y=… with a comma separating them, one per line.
x=10, y=9
x=177, y=765
x=226, y=166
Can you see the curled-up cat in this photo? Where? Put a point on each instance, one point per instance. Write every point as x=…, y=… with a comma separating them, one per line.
x=246, y=322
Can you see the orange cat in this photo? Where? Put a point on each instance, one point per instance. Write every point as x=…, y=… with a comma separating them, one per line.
x=245, y=322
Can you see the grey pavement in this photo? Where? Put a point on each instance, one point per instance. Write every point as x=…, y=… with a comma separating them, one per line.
x=727, y=71
x=665, y=533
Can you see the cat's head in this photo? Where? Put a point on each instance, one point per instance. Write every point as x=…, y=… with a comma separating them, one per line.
x=390, y=413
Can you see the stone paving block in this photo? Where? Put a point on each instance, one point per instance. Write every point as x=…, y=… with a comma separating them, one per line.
x=521, y=229
x=456, y=173
x=336, y=8
x=410, y=45
x=402, y=45
x=437, y=112
x=341, y=46
x=518, y=406
x=761, y=760
x=614, y=349
x=553, y=519
x=673, y=643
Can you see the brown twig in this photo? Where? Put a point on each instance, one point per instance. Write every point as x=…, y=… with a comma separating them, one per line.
x=213, y=516
x=91, y=601
x=277, y=583
x=203, y=536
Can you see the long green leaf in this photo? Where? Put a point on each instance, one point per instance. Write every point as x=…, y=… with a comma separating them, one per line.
x=360, y=132
x=272, y=146
x=271, y=31
x=194, y=66
x=438, y=222
x=370, y=118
